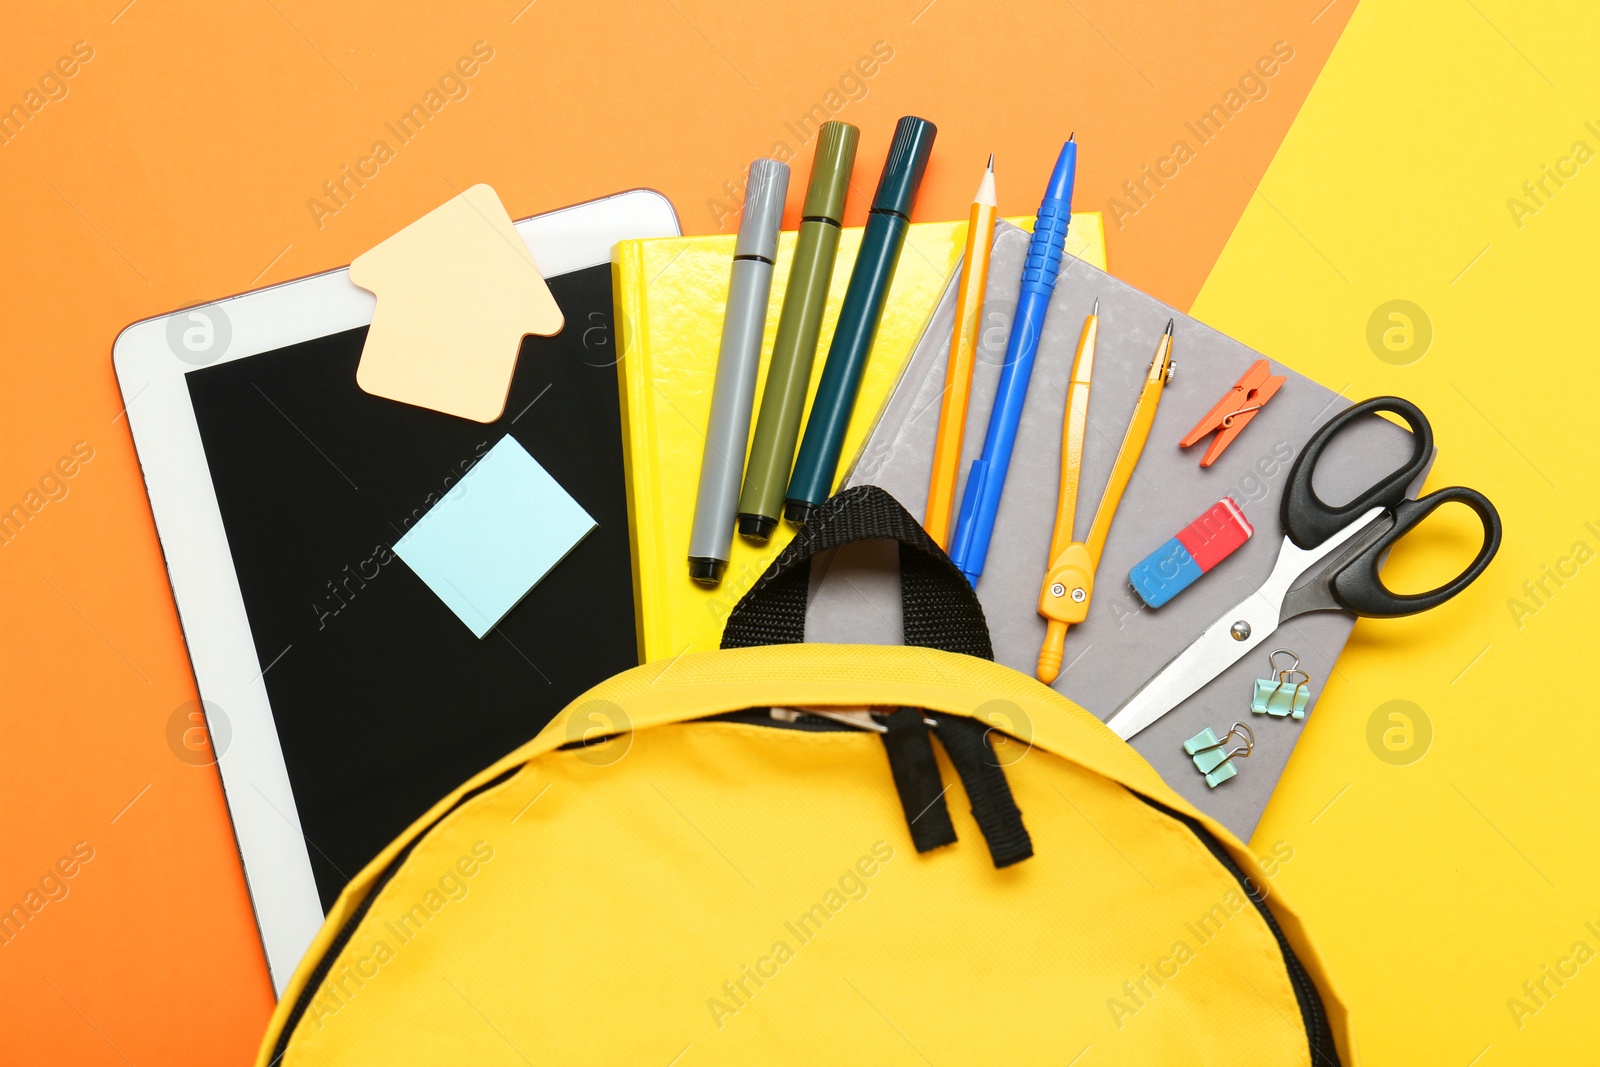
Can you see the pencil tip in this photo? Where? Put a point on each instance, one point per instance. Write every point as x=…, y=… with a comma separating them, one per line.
x=1168, y=330
x=985, y=193
x=1096, y=310
x=1071, y=137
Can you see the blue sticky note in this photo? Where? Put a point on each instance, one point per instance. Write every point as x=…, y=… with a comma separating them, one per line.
x=494, y=535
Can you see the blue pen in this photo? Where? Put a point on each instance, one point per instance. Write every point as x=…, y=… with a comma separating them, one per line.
x=987, y=479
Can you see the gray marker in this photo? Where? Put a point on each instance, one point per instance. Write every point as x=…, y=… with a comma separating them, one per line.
x=733, y=396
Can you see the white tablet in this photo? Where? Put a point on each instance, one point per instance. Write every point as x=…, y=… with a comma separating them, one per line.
x=266, y=467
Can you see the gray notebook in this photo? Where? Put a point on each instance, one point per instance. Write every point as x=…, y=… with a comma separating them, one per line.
x=855, y=592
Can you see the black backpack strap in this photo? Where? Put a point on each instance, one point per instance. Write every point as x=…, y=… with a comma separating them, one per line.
x=940, y=609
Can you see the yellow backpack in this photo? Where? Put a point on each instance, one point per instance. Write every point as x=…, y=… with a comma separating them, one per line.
x=726, y=858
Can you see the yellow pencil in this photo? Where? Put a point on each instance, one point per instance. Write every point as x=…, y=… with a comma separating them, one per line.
x=963, y=354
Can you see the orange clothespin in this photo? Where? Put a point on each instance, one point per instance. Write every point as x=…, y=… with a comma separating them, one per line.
x=1234, y=411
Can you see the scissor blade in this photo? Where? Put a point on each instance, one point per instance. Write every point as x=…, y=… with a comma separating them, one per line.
x=1213, y=652
x=1219, y=647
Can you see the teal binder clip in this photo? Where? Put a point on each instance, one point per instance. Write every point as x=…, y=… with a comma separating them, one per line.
x=1213, y=758
x=1286, y=693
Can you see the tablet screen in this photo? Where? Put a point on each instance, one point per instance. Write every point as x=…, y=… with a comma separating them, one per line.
x=383, y=699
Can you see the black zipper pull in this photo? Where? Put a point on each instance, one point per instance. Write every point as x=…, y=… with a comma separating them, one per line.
x=916, y=778
x=966, y=742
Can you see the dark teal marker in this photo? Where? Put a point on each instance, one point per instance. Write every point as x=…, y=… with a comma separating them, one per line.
x=859, y=316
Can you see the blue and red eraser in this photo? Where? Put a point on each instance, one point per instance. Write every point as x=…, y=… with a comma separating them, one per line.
x=1199, y=546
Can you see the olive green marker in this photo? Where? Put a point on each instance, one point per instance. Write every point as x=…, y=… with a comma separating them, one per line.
x=794, y=349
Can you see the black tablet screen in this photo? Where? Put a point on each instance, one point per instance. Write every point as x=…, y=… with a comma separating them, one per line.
x=384, y=701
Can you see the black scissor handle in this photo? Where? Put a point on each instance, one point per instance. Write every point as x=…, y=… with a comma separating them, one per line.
x=1358, y=587
x=1307, y=521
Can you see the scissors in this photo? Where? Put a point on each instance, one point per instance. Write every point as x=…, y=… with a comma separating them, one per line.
x=1328, y=562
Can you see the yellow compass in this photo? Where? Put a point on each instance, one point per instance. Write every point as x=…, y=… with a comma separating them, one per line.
x=1069, y=579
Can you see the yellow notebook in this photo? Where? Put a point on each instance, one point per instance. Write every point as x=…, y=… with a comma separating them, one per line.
x=670, y=293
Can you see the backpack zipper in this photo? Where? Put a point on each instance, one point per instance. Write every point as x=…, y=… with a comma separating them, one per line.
x=803, y=720
x=347, y=931
x=1319, y=1033
x=303, y=1002
x=916, y=774
x=1313, y=1016
x=811, y=718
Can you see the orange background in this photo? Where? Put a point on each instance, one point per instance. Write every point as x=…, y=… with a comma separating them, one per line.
x=178, y=168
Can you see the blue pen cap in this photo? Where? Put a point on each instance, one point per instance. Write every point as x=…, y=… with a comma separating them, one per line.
x=902, y=171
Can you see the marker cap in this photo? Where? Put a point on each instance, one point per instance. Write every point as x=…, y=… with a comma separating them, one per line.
x=902, y=171
x=830, y=172
x=764, y=194
x=705, y=570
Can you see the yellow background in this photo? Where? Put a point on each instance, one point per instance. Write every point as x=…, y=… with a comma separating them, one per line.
x=1437, y=888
